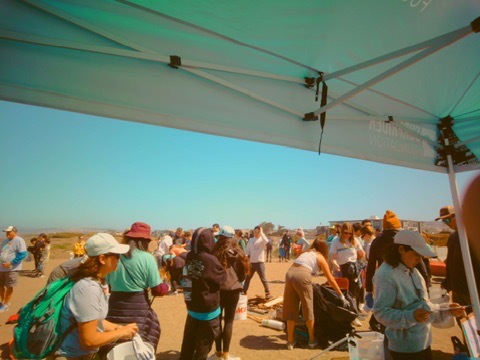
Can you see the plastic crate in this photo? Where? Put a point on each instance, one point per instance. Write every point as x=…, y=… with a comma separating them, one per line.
x=369, y=347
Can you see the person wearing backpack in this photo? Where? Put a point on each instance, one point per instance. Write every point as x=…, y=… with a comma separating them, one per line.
x=86, y=304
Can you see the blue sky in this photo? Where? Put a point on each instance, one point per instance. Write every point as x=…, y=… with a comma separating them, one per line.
x=69, y=170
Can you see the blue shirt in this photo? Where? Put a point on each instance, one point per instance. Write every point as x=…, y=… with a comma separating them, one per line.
x=399, y=292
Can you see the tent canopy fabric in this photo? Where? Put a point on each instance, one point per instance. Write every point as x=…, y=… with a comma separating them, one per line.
x=390, y=72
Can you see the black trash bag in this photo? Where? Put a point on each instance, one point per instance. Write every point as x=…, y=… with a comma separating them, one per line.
x=332, y=319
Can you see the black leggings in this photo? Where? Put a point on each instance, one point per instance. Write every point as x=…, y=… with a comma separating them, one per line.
x=228, y=305
x=421, y=355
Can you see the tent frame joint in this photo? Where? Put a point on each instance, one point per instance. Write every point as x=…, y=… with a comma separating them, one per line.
x=175, y=61
x=311, y=116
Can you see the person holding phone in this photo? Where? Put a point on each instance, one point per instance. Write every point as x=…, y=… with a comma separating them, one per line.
x=401, y=298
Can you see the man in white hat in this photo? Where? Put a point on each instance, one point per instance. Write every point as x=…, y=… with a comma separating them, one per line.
x=12, y=251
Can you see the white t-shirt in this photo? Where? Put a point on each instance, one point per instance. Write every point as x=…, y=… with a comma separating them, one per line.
x=345, y=252
x=164, y=246
x=9, y=250
x=256, y=249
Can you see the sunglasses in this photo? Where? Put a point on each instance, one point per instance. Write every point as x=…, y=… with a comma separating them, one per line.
x=114, y=255
x=347, y=233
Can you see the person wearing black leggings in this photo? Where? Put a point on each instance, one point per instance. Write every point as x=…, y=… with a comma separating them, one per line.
x=236, y=265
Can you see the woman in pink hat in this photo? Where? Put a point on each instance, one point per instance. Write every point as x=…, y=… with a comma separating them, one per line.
x=137, y=272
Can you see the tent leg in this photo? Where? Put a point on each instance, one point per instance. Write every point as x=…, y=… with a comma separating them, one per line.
x=467, y=260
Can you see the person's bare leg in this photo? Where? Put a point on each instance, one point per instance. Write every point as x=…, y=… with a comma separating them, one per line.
x=8, y=295
x=2, y=294
x=311, y=333
x=290, y=331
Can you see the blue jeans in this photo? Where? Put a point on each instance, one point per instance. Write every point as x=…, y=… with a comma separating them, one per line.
x=260, y=268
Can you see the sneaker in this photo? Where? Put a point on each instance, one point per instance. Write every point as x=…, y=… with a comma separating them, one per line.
x=312, y=343
x=214, y=357
x=3, y=307
x=356, y=323
x=268, y=297
x=291, y=345
x=233, y=358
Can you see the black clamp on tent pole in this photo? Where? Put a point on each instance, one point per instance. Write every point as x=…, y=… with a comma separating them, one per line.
x=310, y=82
x=460, y=153
x=446, y=130
x=175, y=61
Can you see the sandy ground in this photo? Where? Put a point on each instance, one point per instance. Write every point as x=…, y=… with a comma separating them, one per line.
x=250, y=340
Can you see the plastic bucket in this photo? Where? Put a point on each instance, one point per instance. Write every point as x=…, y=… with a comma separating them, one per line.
x=241, y=311
x=124, y=351
x=370, y=346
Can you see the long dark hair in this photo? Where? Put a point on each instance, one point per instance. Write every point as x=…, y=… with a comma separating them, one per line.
x=135, y=243
x=392, y=255
x=221, y=249
x=88, y=269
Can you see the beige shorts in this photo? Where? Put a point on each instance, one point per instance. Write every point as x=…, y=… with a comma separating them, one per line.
x=298, y=289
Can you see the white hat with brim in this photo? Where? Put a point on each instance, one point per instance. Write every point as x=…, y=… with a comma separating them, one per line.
x=415, y=241
x=226, y=231
x=103, y=243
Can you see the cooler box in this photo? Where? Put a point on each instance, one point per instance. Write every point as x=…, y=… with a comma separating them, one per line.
x=369, y=347
x=438, y=267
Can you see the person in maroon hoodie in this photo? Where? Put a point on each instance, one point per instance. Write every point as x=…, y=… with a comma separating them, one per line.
x=202, y=276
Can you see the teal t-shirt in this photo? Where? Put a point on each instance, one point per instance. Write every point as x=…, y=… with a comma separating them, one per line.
x=142, y=273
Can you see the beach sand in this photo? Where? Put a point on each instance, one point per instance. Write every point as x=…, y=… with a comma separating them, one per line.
x=250, y=339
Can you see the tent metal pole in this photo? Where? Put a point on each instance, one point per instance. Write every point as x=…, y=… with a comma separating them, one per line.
x=244, y=91
x=467, y=260
x=445, y=38
x=42, y=41
x=386, y=74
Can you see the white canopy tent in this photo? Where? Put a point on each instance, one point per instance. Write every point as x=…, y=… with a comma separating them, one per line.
x=395, y=82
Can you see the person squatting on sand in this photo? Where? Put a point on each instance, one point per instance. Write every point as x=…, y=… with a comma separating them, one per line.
x=236, y=264
x=87, y=304
x=401, y=299
x=137, y=271
x=203, y=275
x=299, y=289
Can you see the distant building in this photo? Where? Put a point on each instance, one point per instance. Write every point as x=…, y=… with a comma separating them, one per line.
x=377, y=223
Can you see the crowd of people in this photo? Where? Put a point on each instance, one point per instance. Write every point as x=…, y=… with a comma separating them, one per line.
x=387, y=273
